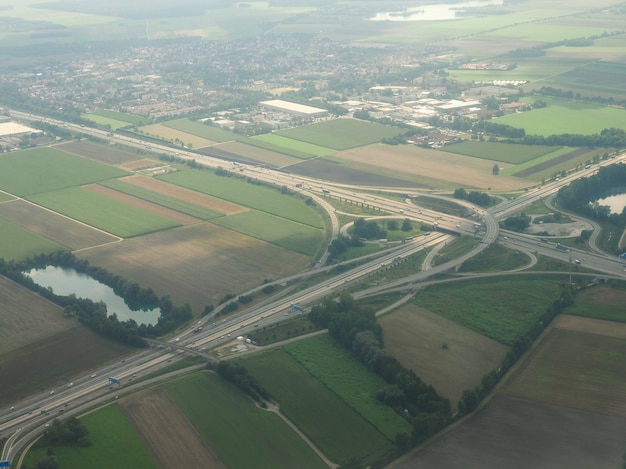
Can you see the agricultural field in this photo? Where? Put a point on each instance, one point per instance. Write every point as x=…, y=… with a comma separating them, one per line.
x=238, y=191
x=513, y=154
x=40, y=363
x=46, y=169
x=341, y=134
x=101, y=153
x=101, y=211
x=344, y=375
x=246, y=152
x=106, y=121
x=164, y=132
x=166, y=431
x=17, y=243
x=196, y=264
x=293, y=144
x=502, y=309
x=432, y=168
x=351, y=173
x=566, y=117
x=161, y=199
x=601, y=303
x=114, y=444
x=416, y=337
x=208, y=132
x=240, y=433
x=279, y=231
x=314, y=408
x=58, y=231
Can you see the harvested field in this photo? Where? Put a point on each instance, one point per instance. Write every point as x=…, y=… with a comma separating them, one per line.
x=53, y=226
x=426, y=164
x=171, y=134
x=196, y=264
x=519, y=434
x=26, y=317
x=187, y=195
x=257, y=155
x=144, y=205
x=177, y=443
x=41, y=364
x=348, y=174
x=99, y=153
x=591, y=367
x=415, y=337
x=141, y=164
x=591, y=326
x=553, y=162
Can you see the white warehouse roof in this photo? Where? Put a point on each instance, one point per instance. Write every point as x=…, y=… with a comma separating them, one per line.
x=294, y=107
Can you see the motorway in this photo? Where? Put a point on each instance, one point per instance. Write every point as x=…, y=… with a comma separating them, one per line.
x=19, y=421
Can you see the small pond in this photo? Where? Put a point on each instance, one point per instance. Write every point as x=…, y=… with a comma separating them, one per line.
x=68, y=281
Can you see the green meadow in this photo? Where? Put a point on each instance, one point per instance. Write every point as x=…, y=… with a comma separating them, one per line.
x=17, y=244
x=102, y=212
x=298, y=145
x=507, y=153
x=45, y=169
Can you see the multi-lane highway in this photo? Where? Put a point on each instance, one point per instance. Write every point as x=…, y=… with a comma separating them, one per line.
x=30, y=415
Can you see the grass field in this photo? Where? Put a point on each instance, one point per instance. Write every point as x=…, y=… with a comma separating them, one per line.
x=161, y=199
x=416, y=336
x=336, y=368
x=115, y=444
x=45, y=169
x=199, y=129
x=241, y=434
x=314, y=409
x=298, y=145
x=105, y=121
x=495, y=258
x=249, y=195
x=17, y=243
x=175, y=135
x=341, y=134
x=257, y=154
x=103, y=212
x=276, y=230
x=563, y=116
x=196, y=264
x=502, y=309
x=506, y=153
x=600, y=303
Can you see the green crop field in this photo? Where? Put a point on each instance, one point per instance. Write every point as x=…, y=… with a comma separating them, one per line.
x=506, y=153
x=594, y=78
x=102, y=212
x=502, y=309
x=122, y=116
x=115, y=444
x=242, y=434
x=17, y=244
x=161, y=199
x=201, y=130
x=46, y=169
x=249, y=195
x=350, y=380
x=276, y=230
x=298, y=145
x=341, y=134
x=566, y=117
x=315, y=409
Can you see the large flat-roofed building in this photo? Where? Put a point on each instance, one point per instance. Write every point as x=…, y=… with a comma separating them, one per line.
x=15, y=129
x=294, y=108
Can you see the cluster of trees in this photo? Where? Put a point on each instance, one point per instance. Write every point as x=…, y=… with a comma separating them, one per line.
x=238, y=375
x=472, y=397
x=518, y=223
x=392, y=225
x=356, y=329
x=94, y=314
x=479, y=198
x=70, y=432
x=340, y=245
x=368, y=229
x=607, y=138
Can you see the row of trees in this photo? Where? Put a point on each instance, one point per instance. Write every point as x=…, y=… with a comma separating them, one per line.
x=239, y=376
x=356, y=329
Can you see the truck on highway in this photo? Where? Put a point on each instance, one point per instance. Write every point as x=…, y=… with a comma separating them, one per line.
x=560, y=247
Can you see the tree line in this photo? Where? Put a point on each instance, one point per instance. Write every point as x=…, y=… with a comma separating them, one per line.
x=356, y=329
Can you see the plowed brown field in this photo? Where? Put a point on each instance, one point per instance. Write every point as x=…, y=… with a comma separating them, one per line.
x=166, y=431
